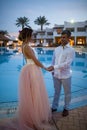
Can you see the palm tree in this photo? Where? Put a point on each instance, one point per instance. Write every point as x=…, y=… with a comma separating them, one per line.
x=2, y=32
x=22, y=21
x=41, y=21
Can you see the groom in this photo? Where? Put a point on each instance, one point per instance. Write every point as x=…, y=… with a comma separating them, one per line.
x=62, y=59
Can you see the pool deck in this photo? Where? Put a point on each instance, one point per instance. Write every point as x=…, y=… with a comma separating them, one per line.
x=81, y=49
x=76, y=120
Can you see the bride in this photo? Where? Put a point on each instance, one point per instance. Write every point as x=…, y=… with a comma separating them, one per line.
x=34, y=111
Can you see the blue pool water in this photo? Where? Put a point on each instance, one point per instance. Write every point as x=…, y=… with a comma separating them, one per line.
x=11, y=64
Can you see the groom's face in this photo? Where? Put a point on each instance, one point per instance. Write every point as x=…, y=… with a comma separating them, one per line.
x=64, y=39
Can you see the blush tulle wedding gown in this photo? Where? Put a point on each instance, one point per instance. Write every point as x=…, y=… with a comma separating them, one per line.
x=34, y=111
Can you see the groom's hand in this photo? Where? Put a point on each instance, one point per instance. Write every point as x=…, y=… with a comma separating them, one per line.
x=50, y=68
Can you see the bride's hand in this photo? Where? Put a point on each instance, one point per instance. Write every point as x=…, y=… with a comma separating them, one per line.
x=50, y=68
x=45, y=68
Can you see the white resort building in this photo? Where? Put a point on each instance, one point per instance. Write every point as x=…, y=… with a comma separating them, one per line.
x=51, y=36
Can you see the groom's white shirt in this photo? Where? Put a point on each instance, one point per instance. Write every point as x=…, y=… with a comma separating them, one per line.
x=62, y=59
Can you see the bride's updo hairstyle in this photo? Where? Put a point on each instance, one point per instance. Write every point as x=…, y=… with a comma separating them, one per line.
x=24, y=34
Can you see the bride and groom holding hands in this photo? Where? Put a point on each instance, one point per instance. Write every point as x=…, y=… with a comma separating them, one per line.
x=34, y=111
x=34, y=103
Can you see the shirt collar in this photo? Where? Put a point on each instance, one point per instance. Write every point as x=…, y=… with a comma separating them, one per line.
x=66, y=46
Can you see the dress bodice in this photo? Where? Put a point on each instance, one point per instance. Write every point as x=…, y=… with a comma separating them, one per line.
x=29, y=61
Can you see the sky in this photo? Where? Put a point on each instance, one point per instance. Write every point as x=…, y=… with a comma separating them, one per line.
x=55, y=11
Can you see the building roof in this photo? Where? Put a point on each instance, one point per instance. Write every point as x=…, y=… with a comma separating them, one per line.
x=4, y=38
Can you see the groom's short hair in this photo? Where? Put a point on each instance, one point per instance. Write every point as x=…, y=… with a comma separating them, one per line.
x=66, y=32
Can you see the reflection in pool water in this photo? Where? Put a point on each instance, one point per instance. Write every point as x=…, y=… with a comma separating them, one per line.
x=11, y=64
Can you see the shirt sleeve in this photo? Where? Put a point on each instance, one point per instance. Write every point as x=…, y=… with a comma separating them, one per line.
x=67, y=62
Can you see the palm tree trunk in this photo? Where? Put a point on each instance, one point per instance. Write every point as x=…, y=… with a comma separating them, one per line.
x=41, y=27
x=22, y=27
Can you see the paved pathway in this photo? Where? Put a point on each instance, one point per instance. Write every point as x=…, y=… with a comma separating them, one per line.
x=76, y=120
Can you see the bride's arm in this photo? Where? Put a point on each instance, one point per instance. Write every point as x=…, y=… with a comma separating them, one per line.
x=28, y=52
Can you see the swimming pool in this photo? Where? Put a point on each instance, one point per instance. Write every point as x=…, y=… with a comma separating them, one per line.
x=11, y=64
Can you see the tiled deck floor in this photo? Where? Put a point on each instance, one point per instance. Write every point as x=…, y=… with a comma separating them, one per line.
x=77, y=119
